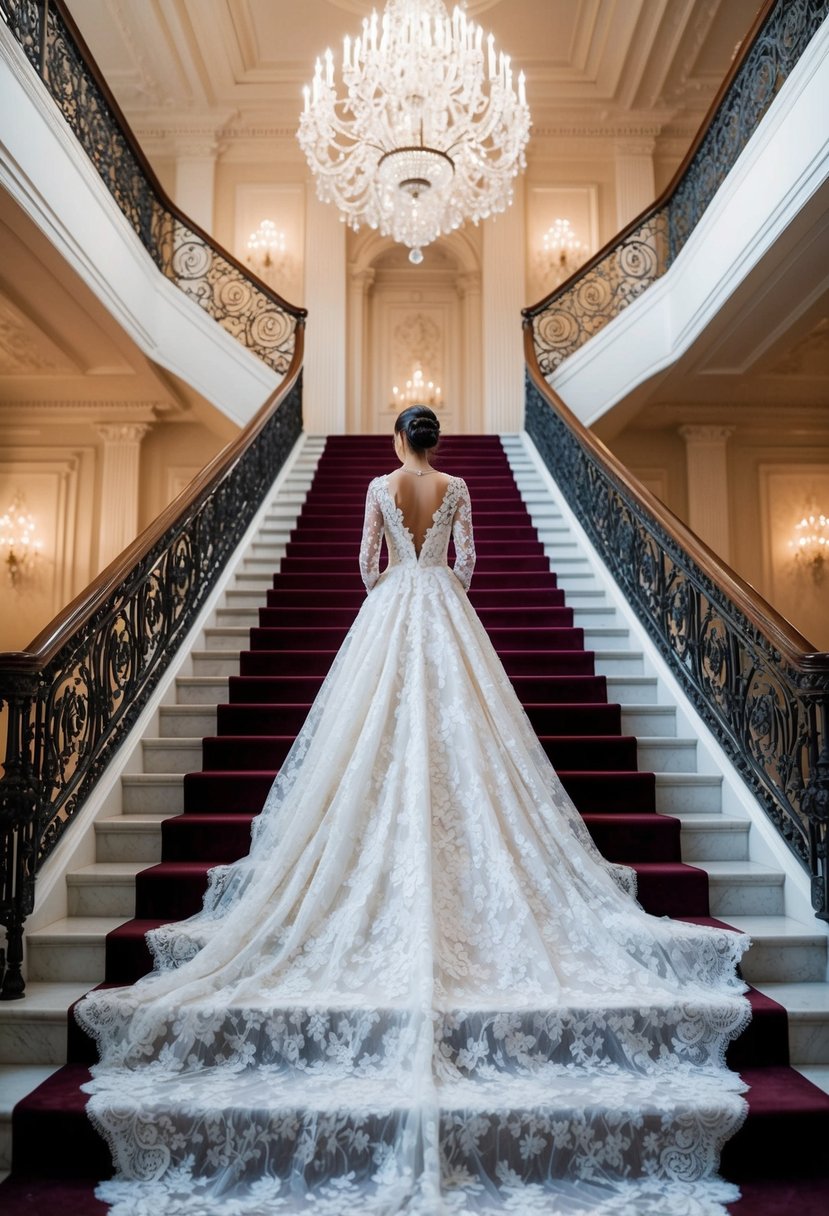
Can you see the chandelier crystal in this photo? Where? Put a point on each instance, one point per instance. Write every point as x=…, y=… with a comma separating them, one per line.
x=429, y=130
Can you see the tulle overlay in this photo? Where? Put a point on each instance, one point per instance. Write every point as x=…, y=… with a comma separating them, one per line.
x=423, y=991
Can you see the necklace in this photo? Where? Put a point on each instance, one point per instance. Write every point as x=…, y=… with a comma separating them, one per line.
x=417, y=472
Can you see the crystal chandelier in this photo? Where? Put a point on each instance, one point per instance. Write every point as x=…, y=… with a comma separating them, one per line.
x=416, y=391
x=18, y=541
x=561, y=253
x=811, y=543
x=267, y=250
x=429, y=131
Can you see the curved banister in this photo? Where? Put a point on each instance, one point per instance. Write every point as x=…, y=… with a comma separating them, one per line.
x=576, y=310
x=245, y=306
x=759, y=684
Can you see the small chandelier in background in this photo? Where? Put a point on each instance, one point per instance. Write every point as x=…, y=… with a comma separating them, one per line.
x=811, y=543
x=429, y=132
x=19, y=542
x=561, y=253
x=267, y=251
x=416, y=391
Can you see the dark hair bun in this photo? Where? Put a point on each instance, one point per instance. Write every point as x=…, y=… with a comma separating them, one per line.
x=423, y=432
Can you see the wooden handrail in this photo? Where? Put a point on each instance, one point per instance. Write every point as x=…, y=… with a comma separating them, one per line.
x=745, y=47
x=793, y=647
x=48, y=642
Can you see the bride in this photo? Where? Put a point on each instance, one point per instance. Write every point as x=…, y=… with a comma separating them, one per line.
x=424, y=991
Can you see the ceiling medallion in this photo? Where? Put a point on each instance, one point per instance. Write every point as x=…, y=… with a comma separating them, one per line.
x=429, y=131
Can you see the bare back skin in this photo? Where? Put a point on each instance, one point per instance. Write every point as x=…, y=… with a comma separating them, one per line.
x=418, y=498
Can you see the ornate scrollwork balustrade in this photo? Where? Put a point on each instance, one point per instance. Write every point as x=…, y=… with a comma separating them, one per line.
x=577, y=310
x=754, y=680
x=247, y=308
x=78, y=689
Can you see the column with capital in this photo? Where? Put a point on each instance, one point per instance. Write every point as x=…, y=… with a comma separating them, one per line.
x=119, y=487
x=707, y=465
x=359, y=289
x=471, y=412
x=635, y=182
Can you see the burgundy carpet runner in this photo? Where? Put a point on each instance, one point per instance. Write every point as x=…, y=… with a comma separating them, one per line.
x=779, y=1157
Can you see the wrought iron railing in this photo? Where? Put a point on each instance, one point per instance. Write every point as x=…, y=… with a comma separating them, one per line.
x=757, y=683
x=77, y=690
x=620, y=272
x=242, y=304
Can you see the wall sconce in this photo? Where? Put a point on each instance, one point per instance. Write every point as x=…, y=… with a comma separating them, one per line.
x=19, y=543
x=267, y=252
x=811, y=543
x=561, y=253
x=416, y=391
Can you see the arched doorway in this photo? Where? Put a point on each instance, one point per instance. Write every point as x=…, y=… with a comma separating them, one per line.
x=402, y=318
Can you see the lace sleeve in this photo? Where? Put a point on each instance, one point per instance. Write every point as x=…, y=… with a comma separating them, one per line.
x=463, y=537
x=372, y=539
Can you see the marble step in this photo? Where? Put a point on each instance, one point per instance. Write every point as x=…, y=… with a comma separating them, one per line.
x=650, y=720
x=187, y=721
x=215, y=662
x=104, y=888
x=678, y=792
x=743, y=888
x=632, y=689
x=658, y=754
x=129, y=838
x=152, y=794
x=783, y=949
x=33, y=1030
x=16, y=1081
x=595, y=616
x=808, y=1009
x=571, y=581
x=619, y=662
x=176, y=755
x=71, y=950
x=201, y=690
x=247, y=580
x=713, y=838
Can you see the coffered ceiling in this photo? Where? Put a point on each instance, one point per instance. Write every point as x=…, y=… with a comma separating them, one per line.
x=238, y=66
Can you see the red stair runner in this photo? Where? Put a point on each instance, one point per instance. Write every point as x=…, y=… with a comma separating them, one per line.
x=779, y=1155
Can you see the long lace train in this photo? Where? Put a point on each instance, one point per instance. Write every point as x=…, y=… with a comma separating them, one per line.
x=424, y=990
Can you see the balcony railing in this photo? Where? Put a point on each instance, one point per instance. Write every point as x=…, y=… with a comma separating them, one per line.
x=242, y=304
x=643, y=251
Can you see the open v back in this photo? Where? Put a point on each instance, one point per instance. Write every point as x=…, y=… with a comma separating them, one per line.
x=418, y=500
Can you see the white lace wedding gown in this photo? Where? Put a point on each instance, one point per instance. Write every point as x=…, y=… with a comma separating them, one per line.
x=423, y=991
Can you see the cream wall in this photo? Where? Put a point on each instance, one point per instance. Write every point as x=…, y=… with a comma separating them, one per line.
x=772, y=475
x=60, y=467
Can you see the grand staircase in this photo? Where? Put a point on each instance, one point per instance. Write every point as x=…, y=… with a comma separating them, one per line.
x=602, y=716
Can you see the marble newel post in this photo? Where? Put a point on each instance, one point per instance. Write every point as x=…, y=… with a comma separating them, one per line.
x=359, y=288
x=635, y=182
x=119, y=487
x=707, y=464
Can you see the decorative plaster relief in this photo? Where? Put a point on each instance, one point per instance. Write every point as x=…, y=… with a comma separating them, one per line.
x=24, y=348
